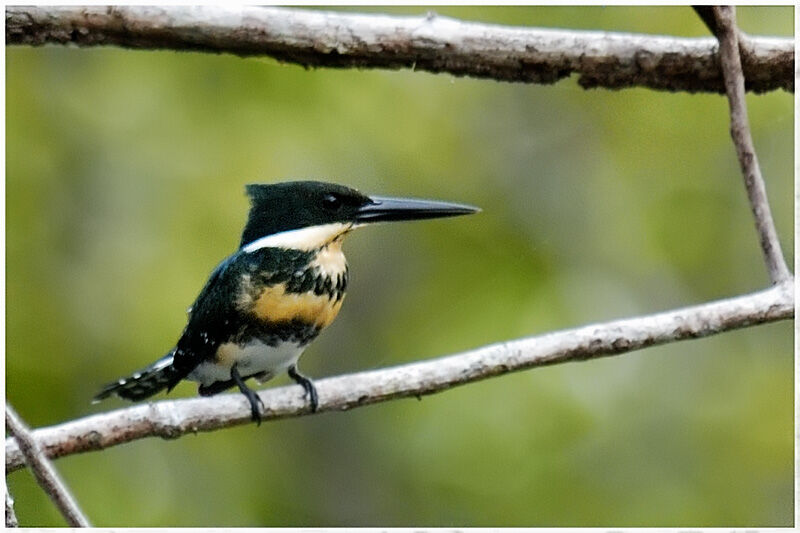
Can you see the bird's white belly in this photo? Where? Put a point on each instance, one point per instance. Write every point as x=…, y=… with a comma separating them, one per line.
x=253, y=358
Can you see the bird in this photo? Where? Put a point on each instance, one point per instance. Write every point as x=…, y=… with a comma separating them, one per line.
x=263, y=305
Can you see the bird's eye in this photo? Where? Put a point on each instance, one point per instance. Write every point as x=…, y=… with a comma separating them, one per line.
x=331, y=202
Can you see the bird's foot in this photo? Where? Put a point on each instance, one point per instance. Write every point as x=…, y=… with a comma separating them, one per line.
x=251, y=395
x=308, y=386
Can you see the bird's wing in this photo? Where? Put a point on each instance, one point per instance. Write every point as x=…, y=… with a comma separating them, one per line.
x=211, y=316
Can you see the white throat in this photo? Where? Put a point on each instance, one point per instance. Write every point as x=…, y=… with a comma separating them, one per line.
x=305, y=239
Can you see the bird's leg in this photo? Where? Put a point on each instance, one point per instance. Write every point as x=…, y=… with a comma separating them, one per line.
x=250, y=394
x=308, y=386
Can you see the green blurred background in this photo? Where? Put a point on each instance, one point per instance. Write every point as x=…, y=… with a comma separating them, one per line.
x=124, y=180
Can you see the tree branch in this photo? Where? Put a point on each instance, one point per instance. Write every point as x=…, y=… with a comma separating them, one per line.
x=431, y=43
x=43, y=471
x=172, y=419
x=727, y=33
x=11, y=516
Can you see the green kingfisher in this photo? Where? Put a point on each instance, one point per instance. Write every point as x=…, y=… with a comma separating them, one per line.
x=263, y=305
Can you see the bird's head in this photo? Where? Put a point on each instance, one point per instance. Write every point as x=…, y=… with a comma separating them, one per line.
x=309, y=214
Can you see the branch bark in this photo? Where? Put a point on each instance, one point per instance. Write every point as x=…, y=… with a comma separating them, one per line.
x=172, y=419
x=728, y=35
x=431, y=43
x=11, y=516
x=43, y=471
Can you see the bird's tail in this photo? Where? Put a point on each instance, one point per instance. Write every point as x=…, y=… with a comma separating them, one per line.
x=145, y=382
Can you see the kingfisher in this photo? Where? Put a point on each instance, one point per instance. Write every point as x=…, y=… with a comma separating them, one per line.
x=262, y=306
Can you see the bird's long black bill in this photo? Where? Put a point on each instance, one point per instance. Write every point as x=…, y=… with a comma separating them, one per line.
x=385, y=209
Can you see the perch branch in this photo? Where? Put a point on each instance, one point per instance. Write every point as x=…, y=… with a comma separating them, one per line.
x=431, y=43
x=172, y=419
x=727, y=33
x=43, y=470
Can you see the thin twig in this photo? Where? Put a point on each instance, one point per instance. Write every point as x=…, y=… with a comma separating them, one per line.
x=11, y=516
x=431, y=43
x=740, y=132
x=43, y=470
x=172, y=419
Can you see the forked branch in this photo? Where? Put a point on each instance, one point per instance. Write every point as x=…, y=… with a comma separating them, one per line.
x=31, y=452
x=728, y=36
x=172, y=419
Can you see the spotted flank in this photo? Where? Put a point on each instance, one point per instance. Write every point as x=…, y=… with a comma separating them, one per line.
x=293, y=302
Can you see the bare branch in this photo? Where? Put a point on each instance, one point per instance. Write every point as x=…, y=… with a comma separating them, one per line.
x=172, y=419
x=43, y=471
x=11, y=516
x=743, y=140
x=431, y=43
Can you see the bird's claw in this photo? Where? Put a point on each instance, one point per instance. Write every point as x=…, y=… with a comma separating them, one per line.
x=310, y=391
